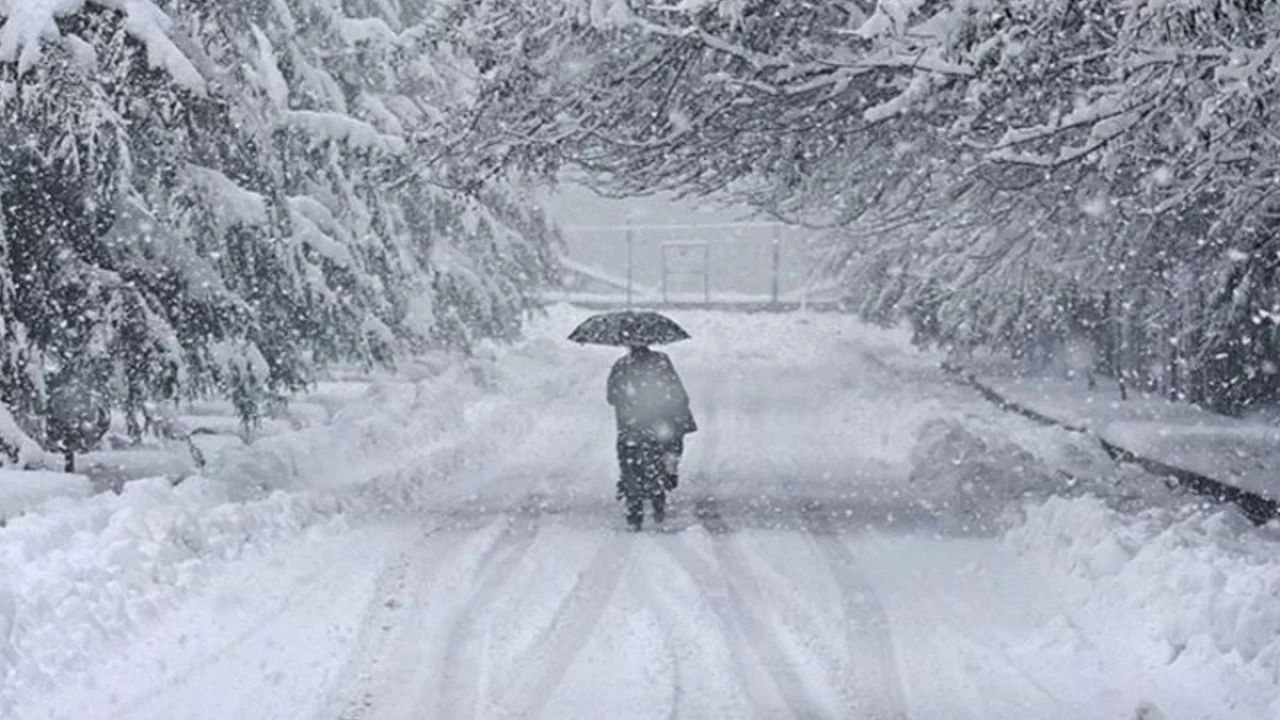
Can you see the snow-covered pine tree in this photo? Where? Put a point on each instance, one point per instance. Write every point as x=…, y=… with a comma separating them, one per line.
x=75, y=232
x=215, y=199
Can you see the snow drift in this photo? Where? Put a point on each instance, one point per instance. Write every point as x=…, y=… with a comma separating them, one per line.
x=22, y=490
x=956, y=471
x=1191, y=596
x=78, y=574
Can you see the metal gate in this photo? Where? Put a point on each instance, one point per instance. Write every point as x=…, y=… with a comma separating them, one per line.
x=686, y=258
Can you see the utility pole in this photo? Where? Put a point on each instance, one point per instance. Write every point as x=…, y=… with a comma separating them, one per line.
x=706, y=275
x=666, y=272
x=777, y=261
x=630, y=252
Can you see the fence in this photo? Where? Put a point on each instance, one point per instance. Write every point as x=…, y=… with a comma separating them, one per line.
x=740, y=265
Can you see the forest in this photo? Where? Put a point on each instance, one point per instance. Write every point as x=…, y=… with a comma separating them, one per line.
x=203, y=198
x=225, y=198
x=1015, y=175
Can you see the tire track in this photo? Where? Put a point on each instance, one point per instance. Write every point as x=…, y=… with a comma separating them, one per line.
x=390, y=670
x=371, y=644
x=748, y=635
x=399, y=675
x=740, y=595
x=876, y=692
x=457, y=678
x=459, y=692
x=715, y=589
x=756, y=679
x=375, y=642
x=664, y=612
x=874, y=689
x=572, y=626
x=384, y=656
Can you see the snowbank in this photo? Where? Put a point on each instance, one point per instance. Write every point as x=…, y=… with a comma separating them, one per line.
x=957, y=472
x=409, y=432
x=112, y=469
x=24, y=490
x=1191, y=597
x=78, y=574
x=970, y=469
x=1237, y=452
x=1185, y=595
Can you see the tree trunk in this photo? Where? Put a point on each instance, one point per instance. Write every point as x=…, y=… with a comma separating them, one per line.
x=1175, y=384
x=1122, y=350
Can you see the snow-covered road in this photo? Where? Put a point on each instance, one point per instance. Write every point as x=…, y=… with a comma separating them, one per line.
x=799, y=575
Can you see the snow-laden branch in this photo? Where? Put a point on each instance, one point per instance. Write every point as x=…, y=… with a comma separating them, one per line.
x=341, y=128
x=30, y=23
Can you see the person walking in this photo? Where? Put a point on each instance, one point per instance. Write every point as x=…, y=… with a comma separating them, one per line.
x=650, y=405
x=652, y=411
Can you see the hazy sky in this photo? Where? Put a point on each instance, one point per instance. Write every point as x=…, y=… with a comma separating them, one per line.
x=740, y=258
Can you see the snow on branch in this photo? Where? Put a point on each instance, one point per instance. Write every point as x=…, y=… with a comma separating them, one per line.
x=230, y=204
x=239, y=357
x=367, y=30
x=16, y=444
x=150, y=243
x=28, y=23
x=268, y=72
x=317, y=227
x=376, y=110
x=916, y=90
x=150, y=25
x=345, y=129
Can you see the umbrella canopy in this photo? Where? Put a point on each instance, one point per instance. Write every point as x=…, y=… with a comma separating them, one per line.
x=628, y=327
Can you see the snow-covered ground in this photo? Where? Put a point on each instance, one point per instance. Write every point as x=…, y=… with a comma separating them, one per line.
x=854, y=536
x=1240, y=452
x=21, y=490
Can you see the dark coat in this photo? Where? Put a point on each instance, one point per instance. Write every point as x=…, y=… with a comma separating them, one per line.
x=648, y=397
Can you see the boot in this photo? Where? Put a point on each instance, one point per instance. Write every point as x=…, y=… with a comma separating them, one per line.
x=635, y=513
x=659, y=508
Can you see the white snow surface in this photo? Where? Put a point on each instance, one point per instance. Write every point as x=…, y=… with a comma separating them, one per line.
x=854, y=536
x=1236, y=451
x=23, y=490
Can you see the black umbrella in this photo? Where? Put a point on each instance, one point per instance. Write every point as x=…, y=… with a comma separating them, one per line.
x=628, y=327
